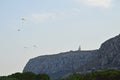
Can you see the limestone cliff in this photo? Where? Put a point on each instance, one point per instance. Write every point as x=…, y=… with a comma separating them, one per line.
x=59, y=65
x=109, y=53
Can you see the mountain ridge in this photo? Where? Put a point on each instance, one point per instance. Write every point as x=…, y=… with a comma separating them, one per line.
x=59, y=65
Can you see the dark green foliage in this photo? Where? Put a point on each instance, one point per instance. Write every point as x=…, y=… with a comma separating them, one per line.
x=75, y=76
x=6, y=78
x=42, y=77
x=28, y=76
x=98, y=75
x=108, y=75
x=16, y=75
x=25, y=76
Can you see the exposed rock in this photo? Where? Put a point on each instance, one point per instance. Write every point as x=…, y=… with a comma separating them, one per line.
x=59, y=65
x=109, y=53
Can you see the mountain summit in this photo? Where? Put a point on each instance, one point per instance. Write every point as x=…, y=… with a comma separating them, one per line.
x=59, y=65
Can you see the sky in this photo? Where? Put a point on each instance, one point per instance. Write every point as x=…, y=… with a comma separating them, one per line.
x=30, y=28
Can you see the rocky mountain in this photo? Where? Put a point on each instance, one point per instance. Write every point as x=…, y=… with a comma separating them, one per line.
x=106, y=57
x=59, y=65
x=109, y=54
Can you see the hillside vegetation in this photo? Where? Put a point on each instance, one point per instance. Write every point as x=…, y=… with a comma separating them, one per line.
x=25, y=76
x=97, y=75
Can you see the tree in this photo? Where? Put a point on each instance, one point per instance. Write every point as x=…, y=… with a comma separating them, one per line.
x=42, y=77
x=28, y=76
x=16, y=75
x=6, y=78
x=23, y=76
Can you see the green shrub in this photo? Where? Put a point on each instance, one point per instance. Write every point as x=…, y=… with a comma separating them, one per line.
x=42, y=77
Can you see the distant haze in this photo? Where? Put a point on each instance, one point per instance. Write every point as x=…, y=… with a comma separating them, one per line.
x=30, y=28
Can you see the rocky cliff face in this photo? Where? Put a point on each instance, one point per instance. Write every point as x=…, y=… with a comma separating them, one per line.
x=60, y=64
x=107, y=57
x=109, y=53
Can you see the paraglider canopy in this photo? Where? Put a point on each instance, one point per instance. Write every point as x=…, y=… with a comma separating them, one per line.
x=18, y=30
x=23, y=19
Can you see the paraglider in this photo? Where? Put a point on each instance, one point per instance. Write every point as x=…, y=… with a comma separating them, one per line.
x=35, y=46
x=23, y=20
x=22, y=23
x=18, y=30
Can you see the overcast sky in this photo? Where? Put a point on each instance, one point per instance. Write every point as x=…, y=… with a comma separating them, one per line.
x=30, y=28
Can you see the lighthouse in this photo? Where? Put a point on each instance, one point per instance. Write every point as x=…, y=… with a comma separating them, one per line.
x=79, y=49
